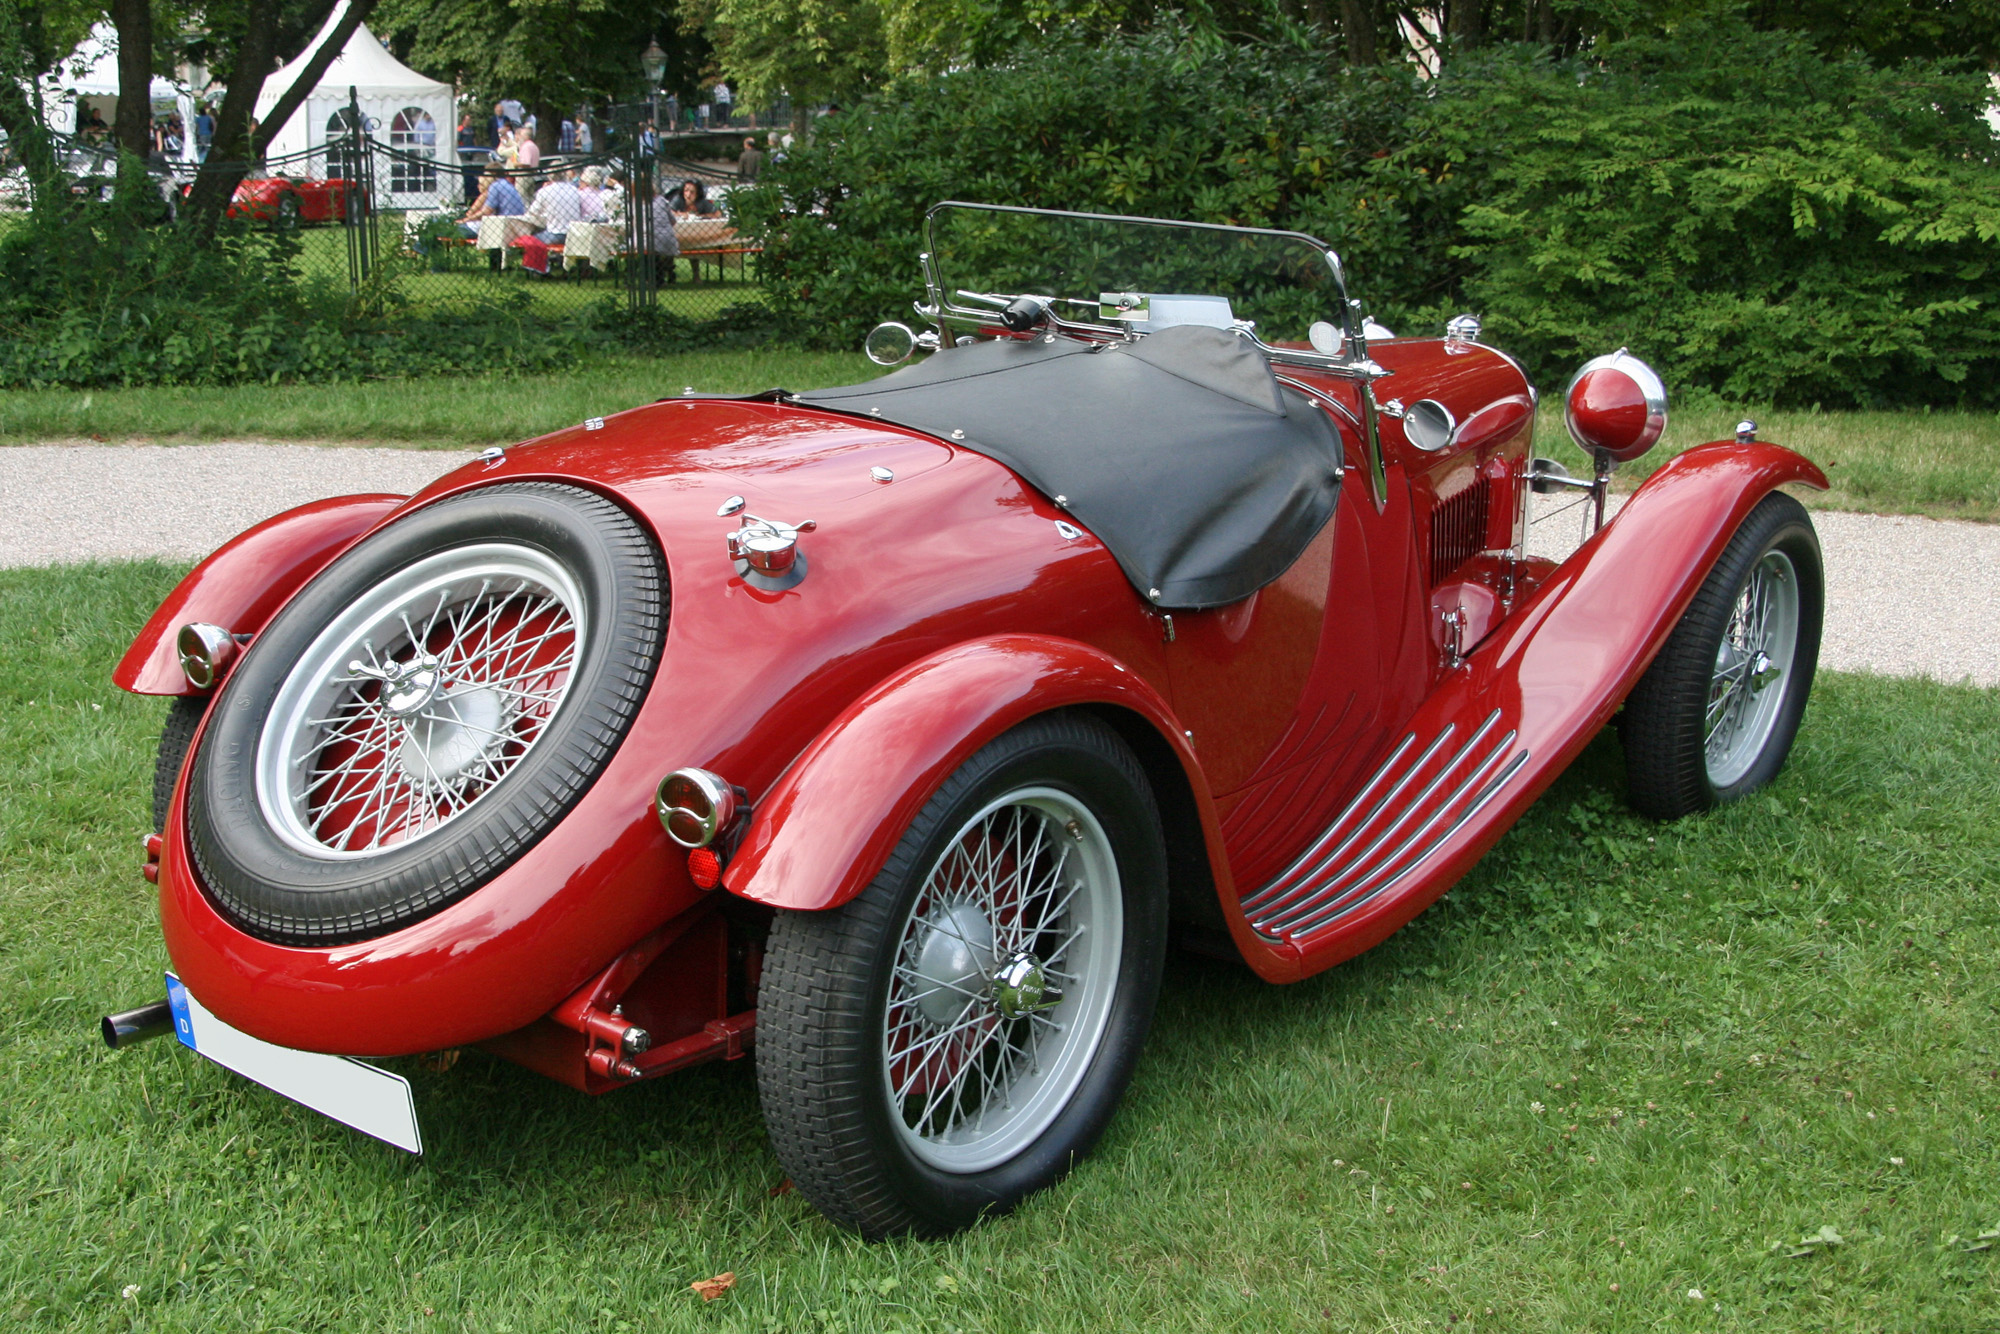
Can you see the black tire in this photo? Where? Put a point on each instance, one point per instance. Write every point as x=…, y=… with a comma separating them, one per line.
x=1664, y=723
x=288, y=213
x=823, y=1001
x=278, y=891
x=184, y=714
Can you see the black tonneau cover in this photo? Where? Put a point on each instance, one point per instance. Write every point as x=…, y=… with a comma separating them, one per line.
x=1204, y=476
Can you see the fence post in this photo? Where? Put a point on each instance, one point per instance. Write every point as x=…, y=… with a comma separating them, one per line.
x=358, y=199
x=642, y=279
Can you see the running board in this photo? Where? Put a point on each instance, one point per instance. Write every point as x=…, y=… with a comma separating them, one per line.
x=1407, y=811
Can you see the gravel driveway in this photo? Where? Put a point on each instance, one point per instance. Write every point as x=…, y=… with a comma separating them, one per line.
x=1905, y=596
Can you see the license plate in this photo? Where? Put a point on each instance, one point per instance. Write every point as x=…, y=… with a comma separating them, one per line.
x=354, y=1093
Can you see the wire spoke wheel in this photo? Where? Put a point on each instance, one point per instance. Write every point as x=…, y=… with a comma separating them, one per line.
x=1715, y=714
x=1752, y=662
x=957, y=1036
x=1002, y=980
x=419, y=700
x=424, y=710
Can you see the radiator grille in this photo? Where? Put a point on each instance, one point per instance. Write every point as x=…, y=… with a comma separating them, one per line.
x=1458, y=529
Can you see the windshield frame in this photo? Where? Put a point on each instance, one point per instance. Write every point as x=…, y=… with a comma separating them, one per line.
x=1351, y=361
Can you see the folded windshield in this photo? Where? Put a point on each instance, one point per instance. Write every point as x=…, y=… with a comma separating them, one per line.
x=1134, y=273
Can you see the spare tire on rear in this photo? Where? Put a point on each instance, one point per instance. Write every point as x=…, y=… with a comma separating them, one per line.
x=424, y=711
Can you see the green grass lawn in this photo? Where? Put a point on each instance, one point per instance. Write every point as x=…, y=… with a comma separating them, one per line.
x=1622, y=1062
x=442, y=412
x=323, y=262
x=1945, y=464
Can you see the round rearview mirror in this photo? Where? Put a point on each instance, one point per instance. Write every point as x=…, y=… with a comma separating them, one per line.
x=890, y=344
x=1429, y=425
x=1325, y=338
x=1616, y=406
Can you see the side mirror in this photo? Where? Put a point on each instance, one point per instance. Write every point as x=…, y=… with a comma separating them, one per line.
x=891, y=344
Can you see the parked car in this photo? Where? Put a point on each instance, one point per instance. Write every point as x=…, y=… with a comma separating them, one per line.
x=93, y=178
x=288, y=201
x=890, y=732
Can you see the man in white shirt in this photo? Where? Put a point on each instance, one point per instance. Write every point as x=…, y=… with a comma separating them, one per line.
x=557, y=204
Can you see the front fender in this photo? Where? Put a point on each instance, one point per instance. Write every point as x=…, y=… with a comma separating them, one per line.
x=244, y=582
x=1562, y=664
x=830, y=822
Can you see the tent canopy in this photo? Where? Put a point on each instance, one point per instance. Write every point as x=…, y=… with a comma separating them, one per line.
x=399, y=106
x=90, y=76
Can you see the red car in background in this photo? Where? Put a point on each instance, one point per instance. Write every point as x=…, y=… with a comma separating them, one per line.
x=893, y=728
x=287, y=201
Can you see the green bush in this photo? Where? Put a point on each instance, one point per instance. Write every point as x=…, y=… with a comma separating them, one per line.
x=1759, y=220
x=96, y=296
x=1158, y=125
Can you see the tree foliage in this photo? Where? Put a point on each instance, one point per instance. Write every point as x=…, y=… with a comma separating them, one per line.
x=554, y=55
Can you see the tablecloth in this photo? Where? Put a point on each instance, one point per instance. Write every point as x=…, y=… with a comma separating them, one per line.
x=598, y=242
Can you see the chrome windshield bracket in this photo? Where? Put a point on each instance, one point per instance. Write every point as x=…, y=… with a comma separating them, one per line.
x=1371, y=436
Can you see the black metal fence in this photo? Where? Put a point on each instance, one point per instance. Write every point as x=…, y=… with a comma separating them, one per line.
x=429, y=226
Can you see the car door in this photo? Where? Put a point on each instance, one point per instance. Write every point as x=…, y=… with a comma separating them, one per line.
x=1291, y=693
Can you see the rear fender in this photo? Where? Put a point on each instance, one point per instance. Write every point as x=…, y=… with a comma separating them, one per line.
x=828, y=825
x=244, y=583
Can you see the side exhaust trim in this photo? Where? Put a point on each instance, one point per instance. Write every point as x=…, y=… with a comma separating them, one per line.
x=134, y=1026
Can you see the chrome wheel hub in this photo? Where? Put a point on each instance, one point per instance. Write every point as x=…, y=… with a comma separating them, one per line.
x=1756, y=654
x=1021, y=986
x=1003, y=980
x=422, y=695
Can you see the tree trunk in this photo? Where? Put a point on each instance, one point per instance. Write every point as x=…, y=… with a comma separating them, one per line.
x=1465, y=23
x=548, y=127
x=1357, y=18
x=134, y=122
x=235, y=148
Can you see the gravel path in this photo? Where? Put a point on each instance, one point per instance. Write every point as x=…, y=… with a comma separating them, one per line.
x=1905, y=596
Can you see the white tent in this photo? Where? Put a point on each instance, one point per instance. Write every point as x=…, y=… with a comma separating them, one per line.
x=399, y=107
x=89, y=79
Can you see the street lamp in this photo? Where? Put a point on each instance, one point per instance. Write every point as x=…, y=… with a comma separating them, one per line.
x=654, y=62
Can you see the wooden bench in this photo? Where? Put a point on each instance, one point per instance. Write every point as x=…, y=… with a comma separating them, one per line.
x=718, y=253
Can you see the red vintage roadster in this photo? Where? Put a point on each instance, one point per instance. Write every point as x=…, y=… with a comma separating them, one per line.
x=288, y=201
x=889, y=732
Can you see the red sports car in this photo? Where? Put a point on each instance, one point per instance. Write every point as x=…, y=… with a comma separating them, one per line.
x=888, y=733
x=287, y=201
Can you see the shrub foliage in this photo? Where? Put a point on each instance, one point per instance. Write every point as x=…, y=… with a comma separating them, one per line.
x=102, y=294
x=1761, y=220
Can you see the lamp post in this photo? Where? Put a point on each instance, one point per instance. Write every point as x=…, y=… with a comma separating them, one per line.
x=654, y=62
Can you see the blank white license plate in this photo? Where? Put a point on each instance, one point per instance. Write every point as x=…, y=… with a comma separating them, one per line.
x=374, y=1102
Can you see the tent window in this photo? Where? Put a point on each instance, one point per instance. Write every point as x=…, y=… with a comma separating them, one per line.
x=342, y=161
x=413, y=131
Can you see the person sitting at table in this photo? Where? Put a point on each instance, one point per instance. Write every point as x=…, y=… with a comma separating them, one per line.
x=527, y=153
x=557, y=204
x=692, y=201
x=612, y=201
x=666, y=244
x=590, y=186
x=498, y=200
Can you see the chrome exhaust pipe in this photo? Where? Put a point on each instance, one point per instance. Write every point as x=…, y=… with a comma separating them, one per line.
x=134, y=1026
